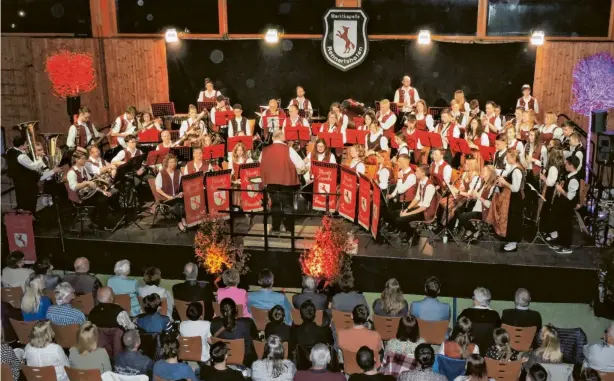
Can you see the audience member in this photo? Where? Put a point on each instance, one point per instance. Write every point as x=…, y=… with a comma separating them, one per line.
x=347, y=299
x=122, y=285
x=151, y=321
x=266, y=298
x=320, y=358
x=460, y=343
x=425, y=357
x=429, y=308
x=475, y=369
x=170, y=368
x=407, y=339
x=194, y=327
x=538, y=373
x=9, y=358
x=309, y=333
x=107, y=314
x=131, y=362
x=352, y=339
x=229, y=327
x=194, y=291
x=44, y=267
x=601, y=356
x=87, y=355
x=152, y=279
x=522, y=316
x=42, y=351
x=62, y=313
x=586, y=374
x=366, y=360
x=218, y=370
x=14, y=274
x=483, y=319
x=276, y=325
x=501, y=350
x=83, y=282
x=34, y=304
x=231, y=278
x=309, y=293
x=273, y=366
x=392, y=302
x=549, y=351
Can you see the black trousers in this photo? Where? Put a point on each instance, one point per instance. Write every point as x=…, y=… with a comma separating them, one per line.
x=464, y=218
x=177, y=207
x=564, y=222
x=100, y=202
x=403, y=223
x=26, y=194
x=282, y=205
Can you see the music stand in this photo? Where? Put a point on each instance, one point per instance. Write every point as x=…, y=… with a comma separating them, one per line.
x=356, y=136
x=213, y=152
x=248, y=141
x=151, y=135
x=458, y=145
x=157, y=156
x=202, y=106
x=429, y=139
x=315, y=128
x=162, y=109
x=488, y=153
x=332, y=139
x=297, y=133
x=182, y=153
x=127, y=172
x=358, y=121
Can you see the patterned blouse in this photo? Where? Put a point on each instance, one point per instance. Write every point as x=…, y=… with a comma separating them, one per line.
x=494, y=353
x=406, y=348
x=9, y=357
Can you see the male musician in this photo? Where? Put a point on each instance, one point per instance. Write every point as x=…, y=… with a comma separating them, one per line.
x=422, y=207
x=568, y=197
x=498, y=115
x=527, y=102
x=78, y=178
x=440, y=170
x=220, y=106
x=96, y=165
x=517, y=121
x=294, y=119
x=128, y=153
x=82, y=132
x=301, y=102
x=166, y=140
x=197, y=164
x=490, y=121
x=499, y=160
x=279, y=166
x=405, y=189
x=386, y=118
x=209, y=94
x=447, y=129
x=238, y=126
x=342, y=117
x=197, y=129
x=123, y=126
x=568, y=129
x=406, y=96
x=576, y=149
x=167, y=185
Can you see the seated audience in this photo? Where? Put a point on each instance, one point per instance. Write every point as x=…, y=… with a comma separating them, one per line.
x=83, y=282
x=152, y=278
x=475, y=369
x=194, y=291
x=151, y=321
x=586, y=374
x=62, y=313
x=309, y=333
x=549, y=351
x=131, y=362
x=392, y=302
x=276, y=325
x=601, y=356
x=170, y=368
x=320, y=358
x=501, y=350
x=347, y=299
x=87, y=355
x=309, y=293
x=34, y=304
x=44, y=267
x=194, y=327
x=10, y=358
x=231, y=279
x=483, y=319
x=107, y=314
x=121, y=284
x=407, y=339
x=429, y=308
x=229, y=327
x=273, y=366
x=42, y=351
x=538, y=373
x=460, y=343
x=218, y=370
x=366, y=360
x=352, y=339
x=522, y=316
x=14, y=274
x=266, y=298
x=425, y=357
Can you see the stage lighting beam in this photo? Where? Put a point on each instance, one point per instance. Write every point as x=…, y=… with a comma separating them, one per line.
x=538, y=38
x=424, y=37
x=171, y=35
x=271, y=36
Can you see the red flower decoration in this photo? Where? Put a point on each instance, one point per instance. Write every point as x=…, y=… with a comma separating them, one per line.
x=71, y=74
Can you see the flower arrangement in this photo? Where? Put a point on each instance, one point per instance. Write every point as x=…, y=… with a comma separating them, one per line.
x=70, y=73
x=593, y=84
x=215, y=251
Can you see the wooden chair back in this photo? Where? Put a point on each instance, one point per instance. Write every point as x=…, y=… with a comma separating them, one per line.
x=386, y=326
x=23, y=329
x=163, y=306
x=342, y=320
x=12, y=295
x=190, y=348
x=65, y=335
x=503, y=370
x=609, y=376
x=7, y=372
x=152, y=186
x=259, y=347
x=39, y=373
x=182, y=308
x=218, y=313
x=350, y=365
x=433, y=332
x=84, y=303
x=260, y=317
x=123, y=300
x=296, y=317
x=158, y=378
x=521, y=338
x=83, y=374
x=236, y=350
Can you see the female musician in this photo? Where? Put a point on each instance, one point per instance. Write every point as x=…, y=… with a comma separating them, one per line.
x=332, y=123
x=475, y=135
x=481, y=202
x=420, y=153
x=238, y=156
x=166, y=140
x=322, y=153
x=342, y=118
x=148, y=122
x=535, y=157
x=513, y=143
x=369, y=119
x=272, y=118
x=549, y=178
x=490, y=121
x=210, y=94
x=457, y=115
x=526, y=126
x=375, y=141
x=167, y=185
x=551, y=130
x=192, y=127
x=424, y=120
x=459, y=96
x=517, y=120
x=475, y=111
x=468, y=183
x=220, y=105
x=196, y=165
x=513, y=180
x=357, y=154
x=403, y=148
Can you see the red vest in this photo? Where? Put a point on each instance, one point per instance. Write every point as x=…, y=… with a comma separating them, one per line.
x=236, y=127
x=161, y=146
x=492, y=119
x=122, y=128
x=412, y=95
x=96, y=163
x=169, y=187
x=524, y=135
x=301, y=106
x=83, y=134
x=437, y=176
x=74, y=195
x=288, y=123
x=547, y=136
x=128, y=155
x=429, y=213
x=449, y=133
x=210, y=99
x=410, y=194
x=537, y=153
x=523, y=104
x=421, y=124
x=276, y=167
x=191, y=169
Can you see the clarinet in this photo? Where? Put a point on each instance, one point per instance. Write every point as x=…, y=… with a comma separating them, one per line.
x=560, y=181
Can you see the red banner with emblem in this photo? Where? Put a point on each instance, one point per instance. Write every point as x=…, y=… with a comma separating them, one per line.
x=364, y=201
x=348, y=193
x=375, y=212
x=218, y=200
x=194, y=198
x=325, y=181
x=20, y=233
x=251, y=200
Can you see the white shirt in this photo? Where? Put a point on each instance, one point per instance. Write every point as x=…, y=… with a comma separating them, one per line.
x=213, y=94
x=358, y=166
x=444, y=133
x=117, y=126
x=25, y=160
x=479, y=205
x=553, y=175
x=231, y=164
x=517, y=145
x=51, y=355
x=573, y=186
x=555, y=130
x=187, y=123
x=407, y=98
x=301, y=104
x=484, y=141
x=429, y=193
x=171, y=175
x=383, y=178
x=383, y=143
x=447, y=170
x=390, y=122
x=526, y=104
x=148, y=290
x=197, y=328
x=516, y=179
x=497, y=124
x=599, y=357
x=92, y=169
x=403, y=186
x=72, y=134
x=121, y=155
x=248, y=129
x=543, y=158
x=71, y=177
x=430, y=123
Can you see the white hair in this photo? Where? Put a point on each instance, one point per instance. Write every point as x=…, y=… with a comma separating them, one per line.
x=522, y=298
x=309, y=283
x=122, y=267
x=64, y=293
x=320, y=355
x=482, y=296
x=34, y=291
x=190, y=270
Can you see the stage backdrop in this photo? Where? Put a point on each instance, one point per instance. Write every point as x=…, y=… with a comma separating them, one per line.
x=251, y=72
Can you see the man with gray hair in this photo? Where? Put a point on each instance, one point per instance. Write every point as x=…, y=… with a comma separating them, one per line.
x=62, y=313
x=83, y=282
x=320, y=357
x=131, y=362
x=601, y=356
x=483, y=319
x=522, y=316
x=310, y=293
x=194, y=291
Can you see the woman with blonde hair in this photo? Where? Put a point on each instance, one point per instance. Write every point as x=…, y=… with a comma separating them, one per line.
x=501, y=350
x=34, y=304
x=550, y=130
x=357, y=158
x=273, y=366
x=527, y=124
x=459, y=96
x=460, y=343
x=475, y=369
x=42, y=351
x=87, y=355
x=513, y=180
x=550, y=349
x=238, y=156
x=392, y=302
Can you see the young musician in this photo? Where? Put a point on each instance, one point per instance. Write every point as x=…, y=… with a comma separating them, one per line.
x=322, y=153
x=405, y=189
x=475, y=135
x=549, y=179
x=568, y=129
x=527, y=102
x=238, y=156
x=385, y=176
x=517, y=120
x=274, y=117
x=83, y=132
x=475, y=111
x=478, y=208
x=566, y=199
x=535, y=155
x=357, y=155
x=467, y=184
x=576, y=149
x=341, y=116
x=294, y=119
x=440, y=170
x=406, y=96
x=220, y=105
x=128, y=153
x=386, y=118
x=375, y=141
x=513, y=143
x=500, y=156
x=422, y=207
x=513, y=179
x=526, y=125
x=403, y=148
x=167, y=185
x=166, y=140
x=96, y=165
x=123, y=126
x=459, y=96
x=490, y=121
x=238, y=125
x=148, y=122
x=424, y=120
x=457, y=115
x=447, y=129
x=333, y=125
x=411, y=136
x=550, y=130
x=209, y=94
x=301, y=102
x=192, y=126
x=498, y=114
x=369, y=118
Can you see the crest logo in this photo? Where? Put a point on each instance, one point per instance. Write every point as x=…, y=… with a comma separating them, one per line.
x=21, y=239
x=195, y=202
x=345, y=43
x=347, y=196
x=219, y=197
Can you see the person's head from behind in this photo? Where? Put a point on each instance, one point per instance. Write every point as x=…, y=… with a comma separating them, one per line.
x=319, y=356
x=105, y=295
x=461, y=334
x=346, y=283
x=151, y=303
x=218, y=352
x=432, y=287
x=152, y=276
x=43, y=266
x=131, y=340
x=392, y=297
x=308, y=311
x=15, y=259
x=194, y=311
x=550, y=348
x=476, y=367
x=41, y=335
x=64, y=293
x=274, y=353
x=502, y=342
x=231, y=277
x=360, y=314
x=365, y=359
x=408, y=329
x=587, y=374
x=170, y=345
x=87, y=338
x=82, y=265
x=30, y=301
x=266, y=278
x=277, y=314
x=309, y=283
x=538, y=373
x=481, y=297
x=122, y=268
x=424, y=355
x=522, y=298
x=190, y=271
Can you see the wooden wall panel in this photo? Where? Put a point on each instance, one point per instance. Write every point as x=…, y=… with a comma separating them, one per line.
x=553, y=76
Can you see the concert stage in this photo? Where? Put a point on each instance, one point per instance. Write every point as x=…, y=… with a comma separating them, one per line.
x=550, y=277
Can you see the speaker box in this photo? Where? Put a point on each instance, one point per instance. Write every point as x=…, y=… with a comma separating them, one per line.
x=605, y=147
x=599, y=121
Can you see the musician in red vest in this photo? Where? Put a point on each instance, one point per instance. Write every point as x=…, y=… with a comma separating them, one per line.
x=96, y=165
x=386, y=118
x=166, y=140
x=220, y=106
x=128, y=153
x=278, y=168
x=167, y=185
x=272, y=118
x=210, y=94
x=406, y=96
x=404, y=191
x=301, y=102
x=491, y=123
x=527, y=102
x=82, y=132
x=294, y=119
x=123, y=126
x=440, y=170
x=448, y=129
x=238, y=126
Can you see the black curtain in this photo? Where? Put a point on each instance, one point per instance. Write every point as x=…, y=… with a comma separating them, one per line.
x=251, y=72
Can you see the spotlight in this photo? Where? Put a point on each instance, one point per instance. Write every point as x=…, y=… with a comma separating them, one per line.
x=171, y=35
x=271, y=36
x=21, y=13
x=537, y=38
x=424, y=37
x=13, y=25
